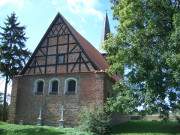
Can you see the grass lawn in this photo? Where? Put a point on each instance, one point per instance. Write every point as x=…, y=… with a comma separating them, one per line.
x=12, y=129
x=147, y=128
x=129, y=128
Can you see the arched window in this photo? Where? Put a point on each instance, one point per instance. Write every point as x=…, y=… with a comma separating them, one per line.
x=54, y=86
x=70, y=86
x=39, y=87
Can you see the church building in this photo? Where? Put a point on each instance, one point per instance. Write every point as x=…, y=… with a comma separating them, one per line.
x=64, y=74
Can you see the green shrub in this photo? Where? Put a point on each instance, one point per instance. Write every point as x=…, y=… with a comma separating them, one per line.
x=95, y=120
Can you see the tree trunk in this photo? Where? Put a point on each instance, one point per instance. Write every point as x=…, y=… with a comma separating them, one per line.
x=4, y=103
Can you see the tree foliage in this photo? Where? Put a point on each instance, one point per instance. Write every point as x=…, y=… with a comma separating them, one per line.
x=146, y=51
x=13, y=53
x=12, y=48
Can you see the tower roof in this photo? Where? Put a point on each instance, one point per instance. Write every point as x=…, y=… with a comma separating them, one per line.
x=106, y=27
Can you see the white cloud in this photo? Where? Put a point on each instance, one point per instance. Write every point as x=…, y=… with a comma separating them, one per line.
x=80, y=7
x=95, y=12
x=81, y=3
x=85, y=7
x=16, y=3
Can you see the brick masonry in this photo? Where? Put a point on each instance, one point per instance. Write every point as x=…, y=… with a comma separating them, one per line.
x=92, y=89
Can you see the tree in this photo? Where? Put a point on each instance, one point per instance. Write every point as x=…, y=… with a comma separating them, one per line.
x=145, y=51
x=5, y=112
x=1, y=105
x=13, y=53
x=174, y=60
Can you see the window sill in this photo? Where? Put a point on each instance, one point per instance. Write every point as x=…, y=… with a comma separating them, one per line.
x=39, y=93
x=70, y=93
x=53, y=93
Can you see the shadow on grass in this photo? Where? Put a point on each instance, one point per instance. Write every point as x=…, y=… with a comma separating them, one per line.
x=3, y=132
x=31, y=131
x=147, y=127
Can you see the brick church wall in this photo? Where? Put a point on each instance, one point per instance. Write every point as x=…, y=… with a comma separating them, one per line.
x=25, y=104
x=12, y=108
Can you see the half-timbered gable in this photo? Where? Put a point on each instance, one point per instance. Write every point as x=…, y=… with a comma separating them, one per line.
x=63, y=50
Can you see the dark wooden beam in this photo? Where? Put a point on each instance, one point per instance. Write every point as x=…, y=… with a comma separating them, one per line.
x=35, y=64
x=58, y=45
x=77, y=61
x=53, y=30
x=42, y=52
x=85, y=63
x=56, y=56
x=39, y=67
x=45, y=70
x=56, y=35
x=67, y=59
x=29, y=69
x=80, y=62
x=73, y=48
x=63, y=30
x=60, y=29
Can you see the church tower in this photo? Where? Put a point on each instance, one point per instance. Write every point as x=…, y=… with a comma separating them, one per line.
x=106, y=31
x=106, y=27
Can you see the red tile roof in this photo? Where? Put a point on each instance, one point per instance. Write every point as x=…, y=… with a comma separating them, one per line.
x=94, y=55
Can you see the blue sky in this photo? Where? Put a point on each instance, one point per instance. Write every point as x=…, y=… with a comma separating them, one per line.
x=86, y=16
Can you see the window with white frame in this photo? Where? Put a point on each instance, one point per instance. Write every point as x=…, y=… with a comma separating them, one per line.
x=70, y=86
x=54, y=86
x=39, y=87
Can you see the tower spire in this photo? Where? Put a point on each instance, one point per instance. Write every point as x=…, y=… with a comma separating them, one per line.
x=106, y=27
